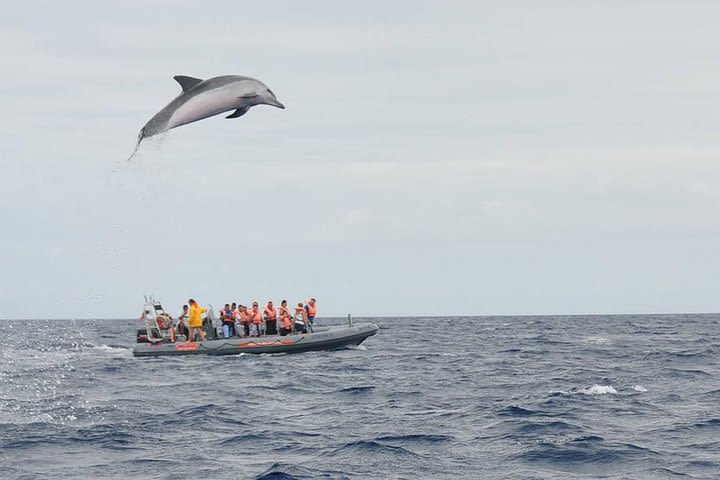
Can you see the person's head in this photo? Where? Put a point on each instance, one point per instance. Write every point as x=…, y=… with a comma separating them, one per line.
x=312, y=300
x=192, y=302
x=283, y=303
x=270, y=304
x=300, y=305
x=233, y=306
x=227, y=306
x=185, y=307
x=255, y=305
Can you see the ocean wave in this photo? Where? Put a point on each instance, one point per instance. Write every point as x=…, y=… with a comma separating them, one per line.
x=244, y=438
x=372, y=447
x=592, y=390
x=434, y=412
x=285, y=471
x=197, y=411
x=278, y=476
x=121, y=352
x=585, y=450
x=545, y=427
x=599, y=390
x=712, y=423
x=691, y=353
x=356, y=390
x=692, y=372
x=515, y=411
x=666, y=472
x=417, y=438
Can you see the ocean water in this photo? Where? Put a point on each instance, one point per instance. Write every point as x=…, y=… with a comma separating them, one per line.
x=634, y=396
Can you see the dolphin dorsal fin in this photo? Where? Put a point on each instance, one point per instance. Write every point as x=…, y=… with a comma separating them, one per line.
x=186, y=82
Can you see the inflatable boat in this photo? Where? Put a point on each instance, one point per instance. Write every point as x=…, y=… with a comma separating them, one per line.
x=158, y=337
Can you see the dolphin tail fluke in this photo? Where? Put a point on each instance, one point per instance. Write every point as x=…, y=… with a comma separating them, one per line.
x=141, y=136
x=137, y=146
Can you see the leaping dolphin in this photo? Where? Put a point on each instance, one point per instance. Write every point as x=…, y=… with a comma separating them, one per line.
x=206, y=98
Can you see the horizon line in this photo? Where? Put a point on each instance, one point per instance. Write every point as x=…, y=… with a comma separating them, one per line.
x=411, y=316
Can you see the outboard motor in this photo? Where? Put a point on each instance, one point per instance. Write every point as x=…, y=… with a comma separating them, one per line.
x=210, y=324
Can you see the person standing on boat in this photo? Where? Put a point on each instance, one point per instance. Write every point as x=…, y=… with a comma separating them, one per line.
x=255, y=320
x=228, y=322
x=270, y=315
x=242, y=321
x=285, y=319
x=301, y=320
x=311, y=310
x=195, y=321
x=182, y=328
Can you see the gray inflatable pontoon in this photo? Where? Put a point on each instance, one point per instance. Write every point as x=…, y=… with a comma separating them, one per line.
x=324, y=338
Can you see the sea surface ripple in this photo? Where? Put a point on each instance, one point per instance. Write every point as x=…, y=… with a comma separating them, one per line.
x=628, y=396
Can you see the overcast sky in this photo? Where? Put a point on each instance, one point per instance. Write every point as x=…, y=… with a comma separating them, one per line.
x=435, y=158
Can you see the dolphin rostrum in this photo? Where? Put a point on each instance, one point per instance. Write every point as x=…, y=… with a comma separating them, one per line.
x=205, y=98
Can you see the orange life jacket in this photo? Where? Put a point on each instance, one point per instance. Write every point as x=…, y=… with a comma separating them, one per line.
x=285, y=317
x=255, y=316
x=311, y=309
x=270, y=313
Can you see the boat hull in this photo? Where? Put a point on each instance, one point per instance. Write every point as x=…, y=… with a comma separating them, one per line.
x=324, y=338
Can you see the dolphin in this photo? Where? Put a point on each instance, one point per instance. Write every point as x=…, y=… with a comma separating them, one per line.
x=206, y=98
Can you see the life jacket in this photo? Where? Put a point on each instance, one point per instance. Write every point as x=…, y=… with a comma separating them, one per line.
x=311, y=309
x=164, y=321
x=270, y=313
x=255, y=317
x=285, y=317
x=244, y=316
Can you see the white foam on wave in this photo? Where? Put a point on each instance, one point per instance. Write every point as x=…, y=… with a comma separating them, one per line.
x=599, y=390
x=598, y=340
x=114, y=351
x=639, y=388
x=559, y=392
x=358, y=347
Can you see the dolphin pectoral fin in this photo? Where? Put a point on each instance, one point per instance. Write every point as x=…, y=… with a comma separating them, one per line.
x=186, y=82
x=239, y=112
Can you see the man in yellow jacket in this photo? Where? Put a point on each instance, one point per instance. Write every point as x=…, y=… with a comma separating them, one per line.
x=195, y=321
